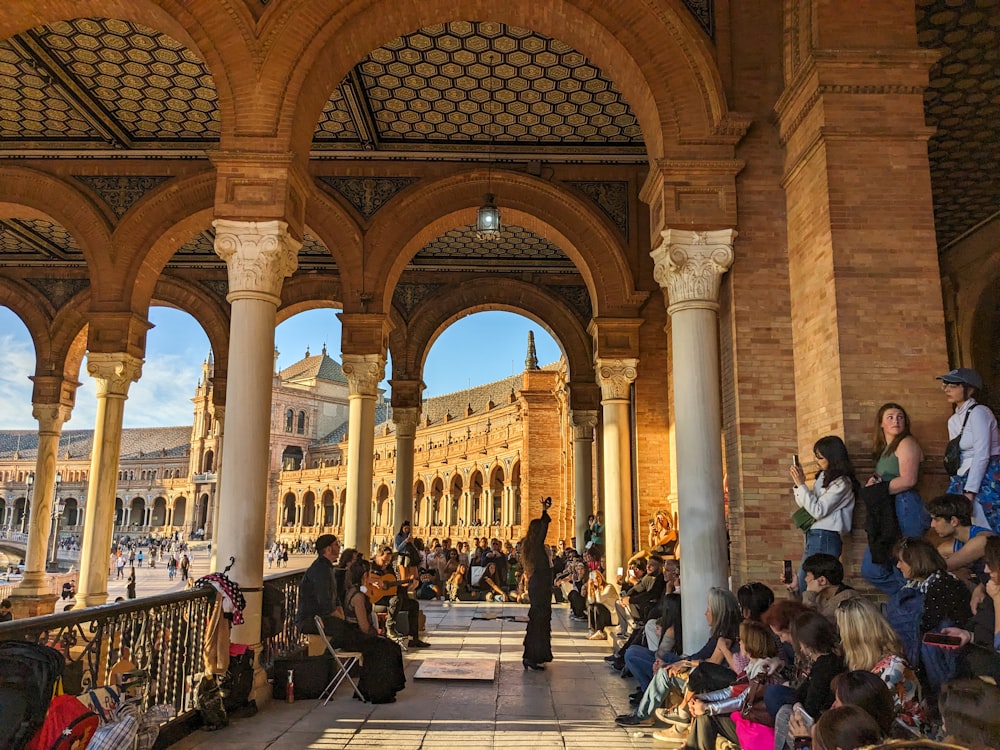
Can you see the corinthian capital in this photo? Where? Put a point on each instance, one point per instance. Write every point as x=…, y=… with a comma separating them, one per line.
x=584, y=422
x=51, y=417
x=615, y=376
x=688, y=266
x=405, y=419
x=258, y=254
x=113, y=373
x=364, y=372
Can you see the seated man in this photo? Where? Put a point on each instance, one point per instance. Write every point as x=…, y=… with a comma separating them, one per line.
x=825, y=587
x=963, y=544
x=318, y=591
x=395, y=602
x=634, y=607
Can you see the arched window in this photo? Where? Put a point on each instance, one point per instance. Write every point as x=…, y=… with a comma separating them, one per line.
x=301, y=429
x=289, y=419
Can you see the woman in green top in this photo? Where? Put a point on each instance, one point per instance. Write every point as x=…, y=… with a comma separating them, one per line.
x=897, y=456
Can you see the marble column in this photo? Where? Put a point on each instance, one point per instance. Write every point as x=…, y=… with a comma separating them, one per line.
x=51, y=418
x=258, y=255
x=405, y=419
x=364, y=372
x=689, y=268
x=113, y=373
x=615, y=377
x=584, y=423
x=212, y=532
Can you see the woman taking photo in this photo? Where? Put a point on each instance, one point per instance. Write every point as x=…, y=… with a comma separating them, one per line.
x=830, y=502
x=978, y=473
x=601, y=598
x=897, y=457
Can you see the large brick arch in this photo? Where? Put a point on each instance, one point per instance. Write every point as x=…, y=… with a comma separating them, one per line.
x=69, y=335
x=337, y=228
x=220, y=33
x=26, y=193
x=152, y=232
x=654, y=52
x=33, y=310
x=411, y=345
x=301, y=293
x=203, y=307
x=419, y=216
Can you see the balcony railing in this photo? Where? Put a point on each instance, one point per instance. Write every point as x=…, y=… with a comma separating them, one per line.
x=203, y=478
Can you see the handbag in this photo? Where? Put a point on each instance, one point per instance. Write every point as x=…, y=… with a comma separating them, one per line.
x=952, y=451
x=754, y=709
x=803, y=519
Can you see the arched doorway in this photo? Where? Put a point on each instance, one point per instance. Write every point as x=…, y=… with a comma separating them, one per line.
x=475, y=498
x=288, y=509
x=137, y=513
x=309, y=509
x=454, y=500
x=418, y=495
x=328, y=513
x=291, y=458
x=496, y=493
x=437, y=492
x=159, y=515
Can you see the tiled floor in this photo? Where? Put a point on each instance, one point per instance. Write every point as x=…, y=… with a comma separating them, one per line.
x=571, y=705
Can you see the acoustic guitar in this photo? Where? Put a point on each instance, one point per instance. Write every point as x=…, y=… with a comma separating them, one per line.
x=386, y=583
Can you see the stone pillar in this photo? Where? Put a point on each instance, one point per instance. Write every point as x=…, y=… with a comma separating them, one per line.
x=689, y=267
x=50, y=421
x=584, y=423
x=258, y=255
x=363, y=372
x=405, y=419
x=212, y=531
x=113, y=373
x=615, y=377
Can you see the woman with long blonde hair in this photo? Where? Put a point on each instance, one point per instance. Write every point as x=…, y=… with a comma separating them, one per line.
x=870, y=643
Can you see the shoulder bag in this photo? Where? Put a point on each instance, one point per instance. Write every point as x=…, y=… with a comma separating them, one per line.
x=953, y=452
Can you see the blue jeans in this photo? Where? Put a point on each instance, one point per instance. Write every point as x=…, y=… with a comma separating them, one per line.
x=639, y=660
x=657, y=692
x=914, y=520
x=817, y=541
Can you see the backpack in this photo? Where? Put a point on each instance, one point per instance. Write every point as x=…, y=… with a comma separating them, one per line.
x=28, y=674
x=208, y=700
x=68, y=725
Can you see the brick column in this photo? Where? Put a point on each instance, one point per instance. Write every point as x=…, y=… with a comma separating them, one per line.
x=258, y=256
x=584, y=423
x=363, y=372
x=113, y=374
x=689, y=267
x=615, y=377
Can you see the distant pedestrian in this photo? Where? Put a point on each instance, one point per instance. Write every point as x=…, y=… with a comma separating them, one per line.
x=171, y=568
x=139, y=557
x=185, y=566
x=130, y=588
x=120, y=566
x=270, y=558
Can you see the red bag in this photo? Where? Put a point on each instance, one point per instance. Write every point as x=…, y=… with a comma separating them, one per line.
x=68, y=726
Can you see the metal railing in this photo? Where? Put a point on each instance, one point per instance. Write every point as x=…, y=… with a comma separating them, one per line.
x=163, y=635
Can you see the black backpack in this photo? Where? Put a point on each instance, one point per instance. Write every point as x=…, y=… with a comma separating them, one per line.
x=28, y=673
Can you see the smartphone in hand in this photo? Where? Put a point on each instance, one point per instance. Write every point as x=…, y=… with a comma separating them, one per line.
x=795, y=460
x=786, y=573
x=940, y=640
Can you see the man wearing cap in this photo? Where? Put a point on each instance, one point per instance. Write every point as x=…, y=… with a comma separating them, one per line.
x=318, y=591
x=978, y=476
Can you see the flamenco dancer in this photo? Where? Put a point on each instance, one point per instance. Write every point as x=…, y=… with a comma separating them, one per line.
x=538, y=638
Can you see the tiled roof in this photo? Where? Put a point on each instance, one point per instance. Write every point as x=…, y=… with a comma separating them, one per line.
x=319, y=366
x=383, y=414
x=137, y=442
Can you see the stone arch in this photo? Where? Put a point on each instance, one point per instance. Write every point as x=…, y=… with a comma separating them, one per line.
x=383, y=509
x=159, y=515
x=515, y=494
x=309, y=508
x=137, y=512
x=28, y=305
x=475, y=497
x=288, y=509
x=436, y=495
x=71, y=513
x=455, y=490
x=411, y=344
x=205, y=308
x=495, y=511
x=178, y=517
x=327, y=501
x=665, y=69
x=417, y=217
x=418, y=494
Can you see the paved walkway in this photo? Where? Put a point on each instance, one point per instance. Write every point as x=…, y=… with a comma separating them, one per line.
x=569, y=706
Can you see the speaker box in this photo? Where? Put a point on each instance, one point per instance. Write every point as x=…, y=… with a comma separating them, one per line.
x=311, y=675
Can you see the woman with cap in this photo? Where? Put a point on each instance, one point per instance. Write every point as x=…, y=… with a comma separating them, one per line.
x=978, y=475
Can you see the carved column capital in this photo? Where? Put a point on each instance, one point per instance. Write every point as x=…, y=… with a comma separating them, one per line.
x=51, y=417
x=113, y=372
x=615, y=376
x=584, y=422
x=258, y=254
x=405, y=419
x=364, y=372
x=689, y=266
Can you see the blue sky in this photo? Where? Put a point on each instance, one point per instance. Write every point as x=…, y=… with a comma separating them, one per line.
x=477, y=349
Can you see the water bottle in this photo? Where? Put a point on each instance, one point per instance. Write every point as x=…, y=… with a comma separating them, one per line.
x=290, y=687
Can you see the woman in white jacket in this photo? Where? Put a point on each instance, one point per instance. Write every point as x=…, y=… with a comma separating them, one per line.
x=830, y=501
x=601, y=596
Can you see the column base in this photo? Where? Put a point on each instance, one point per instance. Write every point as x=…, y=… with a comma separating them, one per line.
x=35, y=583
x=91, y=600
x=32, y=605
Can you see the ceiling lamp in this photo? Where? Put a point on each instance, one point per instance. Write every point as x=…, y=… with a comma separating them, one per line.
x=488, y=220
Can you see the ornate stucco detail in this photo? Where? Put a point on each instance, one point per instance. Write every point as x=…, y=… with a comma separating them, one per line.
x=258, y=254
x=368, y=194
x=113, y=373
x=59, y=291
x=407, y=296
x=612, y=198
x=584, y=421
x=688, y=266
x=364, y=372
x=405, y=419
x=51, y=417
x=118, y=191
x=615, y=377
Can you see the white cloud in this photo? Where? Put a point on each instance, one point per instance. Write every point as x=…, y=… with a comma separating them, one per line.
x=17, y=362
x=162, y=396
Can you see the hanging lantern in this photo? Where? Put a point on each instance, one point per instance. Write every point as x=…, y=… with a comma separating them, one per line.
x=488, y=220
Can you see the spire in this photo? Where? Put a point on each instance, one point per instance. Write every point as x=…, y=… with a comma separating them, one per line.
x=324, y=348
x=307, y=352
x=531, y=361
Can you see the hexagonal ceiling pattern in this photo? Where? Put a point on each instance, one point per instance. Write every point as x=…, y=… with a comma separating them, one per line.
x=963, y=103
x=481, y=83
x=518, y=249
x=37, y=242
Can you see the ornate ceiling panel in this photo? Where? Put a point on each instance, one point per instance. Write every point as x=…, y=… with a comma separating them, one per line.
x=963, y=103
x=368, y=194
x=120, y=192
x=517, y=249
x=199, y=252
x=37, y=242
x=478, y=82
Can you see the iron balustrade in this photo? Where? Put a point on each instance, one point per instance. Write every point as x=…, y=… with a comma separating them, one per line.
x=163, y=635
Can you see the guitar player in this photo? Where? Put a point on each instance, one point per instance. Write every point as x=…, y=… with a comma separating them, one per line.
x=394, y=601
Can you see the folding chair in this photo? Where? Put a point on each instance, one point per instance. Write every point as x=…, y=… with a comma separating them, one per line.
x=344, y=660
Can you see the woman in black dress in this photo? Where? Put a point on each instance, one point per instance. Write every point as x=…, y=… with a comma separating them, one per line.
x=538, y=638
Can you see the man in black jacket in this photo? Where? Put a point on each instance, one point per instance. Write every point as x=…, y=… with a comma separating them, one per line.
x=634, y=607
x=318, y=591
